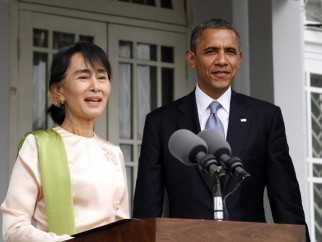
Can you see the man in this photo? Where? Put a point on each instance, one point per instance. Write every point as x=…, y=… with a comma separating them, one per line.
x=253, y=128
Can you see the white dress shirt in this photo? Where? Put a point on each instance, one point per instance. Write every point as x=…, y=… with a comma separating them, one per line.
x=203, y=101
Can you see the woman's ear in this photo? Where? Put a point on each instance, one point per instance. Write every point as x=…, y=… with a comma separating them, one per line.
x=55, y=95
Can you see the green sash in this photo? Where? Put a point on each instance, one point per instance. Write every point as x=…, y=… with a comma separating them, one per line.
x=55, y=179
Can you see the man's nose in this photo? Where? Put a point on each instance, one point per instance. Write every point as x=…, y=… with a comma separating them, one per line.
x=221, y=58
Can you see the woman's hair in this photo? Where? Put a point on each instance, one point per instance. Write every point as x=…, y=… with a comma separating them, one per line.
x=213, y=23
x=93, y=55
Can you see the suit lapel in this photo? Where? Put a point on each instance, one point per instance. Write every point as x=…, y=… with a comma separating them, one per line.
x=188, y=119
x=238, y=127
x=188, y=114
x=239, y=123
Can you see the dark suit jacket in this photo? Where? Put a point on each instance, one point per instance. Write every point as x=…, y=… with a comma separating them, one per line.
x=260, y=143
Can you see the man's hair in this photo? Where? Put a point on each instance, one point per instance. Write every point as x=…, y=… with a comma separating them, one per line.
x=213, y=23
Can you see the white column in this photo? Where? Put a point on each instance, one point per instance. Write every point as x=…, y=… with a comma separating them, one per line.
x=4, y=101
x=289, y=82
x=240, y=21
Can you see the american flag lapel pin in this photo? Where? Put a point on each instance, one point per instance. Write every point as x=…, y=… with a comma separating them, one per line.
x=243, y=120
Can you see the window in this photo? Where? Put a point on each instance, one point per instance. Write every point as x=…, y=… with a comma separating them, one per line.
x=314, y=107
x=161, y=3
x=149, y=71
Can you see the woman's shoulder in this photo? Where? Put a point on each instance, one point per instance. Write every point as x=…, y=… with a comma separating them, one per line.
x=107, y=144
x=104, y=141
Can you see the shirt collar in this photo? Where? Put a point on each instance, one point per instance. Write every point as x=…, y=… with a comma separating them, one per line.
x=203, y=100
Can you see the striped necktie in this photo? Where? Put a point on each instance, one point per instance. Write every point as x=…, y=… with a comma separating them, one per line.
x=213, y=121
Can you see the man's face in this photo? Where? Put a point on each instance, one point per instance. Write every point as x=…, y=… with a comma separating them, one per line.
x=216, y=59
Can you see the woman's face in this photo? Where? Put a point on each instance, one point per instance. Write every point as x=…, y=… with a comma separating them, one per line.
x=85, y=90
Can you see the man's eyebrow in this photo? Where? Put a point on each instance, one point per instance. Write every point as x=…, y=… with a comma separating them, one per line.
x=213, y=48
x=231, y=48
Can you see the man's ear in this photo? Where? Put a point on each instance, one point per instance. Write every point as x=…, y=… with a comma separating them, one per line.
x=240, y=59
x=190, y=58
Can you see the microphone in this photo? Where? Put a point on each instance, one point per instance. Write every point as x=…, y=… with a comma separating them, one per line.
x=222, y=151
x=192, y=150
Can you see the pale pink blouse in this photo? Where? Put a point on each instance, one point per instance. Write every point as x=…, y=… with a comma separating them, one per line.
x=99, y=188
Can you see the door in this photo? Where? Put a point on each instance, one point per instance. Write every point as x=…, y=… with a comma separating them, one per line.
x=148, y=72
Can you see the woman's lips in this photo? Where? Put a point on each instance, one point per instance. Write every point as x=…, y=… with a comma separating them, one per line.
x=93, y=99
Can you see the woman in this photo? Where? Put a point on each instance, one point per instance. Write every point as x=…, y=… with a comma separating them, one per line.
x=79, y=88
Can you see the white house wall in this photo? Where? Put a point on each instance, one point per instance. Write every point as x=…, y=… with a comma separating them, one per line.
x=4, y=100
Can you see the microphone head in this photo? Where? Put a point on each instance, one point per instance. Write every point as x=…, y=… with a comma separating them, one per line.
x=216, y=144
x=185, y=145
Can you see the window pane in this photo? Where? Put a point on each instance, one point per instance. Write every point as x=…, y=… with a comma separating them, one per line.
x=130, y=182
x=166, y=4
x=146, y=94
x=316, y=121
x=167, y=54
x=62, y=40
x=125, y=49
x=85, y=38
x=146, y=52
x=40, y=38
x=317, y=211
x=316, y=80
x=39, y=97
x=125, y=101
x=127, y=152
x=167, y=85
x=145, y=2
x=317, y=170
x=139, y=152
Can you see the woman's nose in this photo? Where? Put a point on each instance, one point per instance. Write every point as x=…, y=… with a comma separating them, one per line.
x=95, y=85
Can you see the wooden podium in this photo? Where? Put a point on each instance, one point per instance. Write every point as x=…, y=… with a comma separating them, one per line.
x=186, y=230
